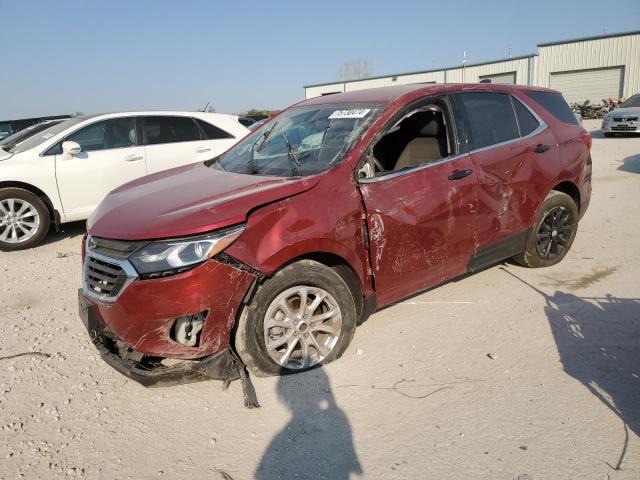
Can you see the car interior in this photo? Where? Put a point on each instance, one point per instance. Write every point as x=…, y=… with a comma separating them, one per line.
x=418, y=138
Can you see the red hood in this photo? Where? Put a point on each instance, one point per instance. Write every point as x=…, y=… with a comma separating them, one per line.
x=185, y=201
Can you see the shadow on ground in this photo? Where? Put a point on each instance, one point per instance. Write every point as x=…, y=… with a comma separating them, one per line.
x=598, y=340
x=317, y=442
x=630, y=164
x=67, y=230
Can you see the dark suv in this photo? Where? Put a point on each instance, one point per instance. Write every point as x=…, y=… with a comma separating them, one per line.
x=272, y=253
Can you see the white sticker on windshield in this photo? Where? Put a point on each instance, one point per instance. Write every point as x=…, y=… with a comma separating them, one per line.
x=46, y=136
x=355, y=113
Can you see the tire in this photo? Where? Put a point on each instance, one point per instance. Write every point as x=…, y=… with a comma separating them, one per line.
x=609, y=135
x=268, y=304
x=559, y=214
x=24, y=219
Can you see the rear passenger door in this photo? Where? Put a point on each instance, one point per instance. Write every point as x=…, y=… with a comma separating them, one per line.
x=506, y=164
x=172, y=141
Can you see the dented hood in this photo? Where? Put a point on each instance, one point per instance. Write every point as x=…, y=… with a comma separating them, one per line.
x=187, y=200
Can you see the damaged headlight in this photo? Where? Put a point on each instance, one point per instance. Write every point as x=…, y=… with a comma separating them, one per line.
x=174, y=256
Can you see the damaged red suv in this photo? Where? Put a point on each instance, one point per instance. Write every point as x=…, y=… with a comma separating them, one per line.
x=271, y=254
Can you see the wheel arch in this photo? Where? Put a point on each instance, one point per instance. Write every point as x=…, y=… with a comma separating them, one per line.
x=570, y=189
x=342, y=267
x=53, y=213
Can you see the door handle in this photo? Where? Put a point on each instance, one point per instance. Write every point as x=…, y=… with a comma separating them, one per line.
x=458, y=174
x=203, y=150
x=133, y=158
x=541, y=148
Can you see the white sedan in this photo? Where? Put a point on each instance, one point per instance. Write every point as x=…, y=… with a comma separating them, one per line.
x=61, y=174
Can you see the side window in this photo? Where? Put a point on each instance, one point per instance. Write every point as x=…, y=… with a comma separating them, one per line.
x=105, y=135
x=5, y=129
x=90, y=138
x=212, y=132
x=526, y=121
x=170, y=130
x=419, y=137
x=491, y=118
x=556, y=105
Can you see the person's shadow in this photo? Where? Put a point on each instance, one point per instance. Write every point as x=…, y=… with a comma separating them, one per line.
x=317, y=442
x=598, y=340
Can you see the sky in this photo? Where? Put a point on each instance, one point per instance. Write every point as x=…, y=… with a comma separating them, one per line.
x=89, y=56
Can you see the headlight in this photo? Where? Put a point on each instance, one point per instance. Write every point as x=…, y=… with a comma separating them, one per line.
x=173, y=256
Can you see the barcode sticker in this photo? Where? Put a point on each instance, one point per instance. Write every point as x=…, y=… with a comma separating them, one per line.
x=355, y=113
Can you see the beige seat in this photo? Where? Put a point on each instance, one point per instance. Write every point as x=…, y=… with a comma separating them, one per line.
x=429, y=145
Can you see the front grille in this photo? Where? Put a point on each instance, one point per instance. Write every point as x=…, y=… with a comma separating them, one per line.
x=107, y=276
x=624, y=127
x=104, y=278
x=625, y=119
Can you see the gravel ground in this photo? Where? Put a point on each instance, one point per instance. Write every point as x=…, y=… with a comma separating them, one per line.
x=507, y=374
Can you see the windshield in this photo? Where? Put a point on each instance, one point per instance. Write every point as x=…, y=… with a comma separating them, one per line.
x=301, y=141
x=632, y=102
x=13, y=140
x=45, y=135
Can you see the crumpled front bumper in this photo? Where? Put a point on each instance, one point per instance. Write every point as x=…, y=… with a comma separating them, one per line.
x=222, y=365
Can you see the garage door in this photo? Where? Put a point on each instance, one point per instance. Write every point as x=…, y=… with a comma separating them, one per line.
x=593, y=85
x=509, y=78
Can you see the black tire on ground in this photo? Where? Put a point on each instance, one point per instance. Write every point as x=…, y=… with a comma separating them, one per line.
x=249, y=334
x=609, y=134
x=557, y=206
x=43, y=214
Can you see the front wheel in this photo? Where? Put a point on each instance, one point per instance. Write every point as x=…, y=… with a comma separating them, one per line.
x=553, y=233
x=609, y=135
x=302, y=317
x=24, y=219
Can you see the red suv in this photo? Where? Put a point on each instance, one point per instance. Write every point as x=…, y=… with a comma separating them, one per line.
x=271, y=254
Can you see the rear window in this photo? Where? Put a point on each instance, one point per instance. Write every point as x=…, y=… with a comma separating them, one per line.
x=212, y=132
x=491, y=118
x=556, y=105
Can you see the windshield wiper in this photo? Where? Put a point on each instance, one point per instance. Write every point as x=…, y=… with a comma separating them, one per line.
x=294, y=163
x=251, y=164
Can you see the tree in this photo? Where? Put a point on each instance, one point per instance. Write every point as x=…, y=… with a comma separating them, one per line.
x=354, y=70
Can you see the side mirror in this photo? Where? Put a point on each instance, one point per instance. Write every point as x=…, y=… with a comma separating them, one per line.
x=70, y=149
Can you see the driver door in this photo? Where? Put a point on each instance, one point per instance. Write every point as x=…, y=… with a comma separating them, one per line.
x=110, y=157
x=420, y=217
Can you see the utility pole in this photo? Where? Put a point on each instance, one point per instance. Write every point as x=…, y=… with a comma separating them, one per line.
x=464, y=63
x=509, y=50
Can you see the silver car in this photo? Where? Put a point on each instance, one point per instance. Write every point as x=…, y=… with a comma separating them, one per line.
x=623, y=119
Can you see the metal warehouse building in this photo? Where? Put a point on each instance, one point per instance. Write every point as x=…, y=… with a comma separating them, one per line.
x=590, y=68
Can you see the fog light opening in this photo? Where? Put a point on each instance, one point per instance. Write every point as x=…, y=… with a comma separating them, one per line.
x=186, y=330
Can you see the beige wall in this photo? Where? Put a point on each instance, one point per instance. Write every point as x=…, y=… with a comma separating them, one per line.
x=598, y=53
x=453, y=75
x=535, y=70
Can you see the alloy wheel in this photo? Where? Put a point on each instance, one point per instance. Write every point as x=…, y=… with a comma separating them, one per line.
x=19, y=220
x=302, y=326
x=554, y=233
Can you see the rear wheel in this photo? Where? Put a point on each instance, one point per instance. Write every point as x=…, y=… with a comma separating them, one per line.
x=553, y=233
x=302, y=317
x=24, y=219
